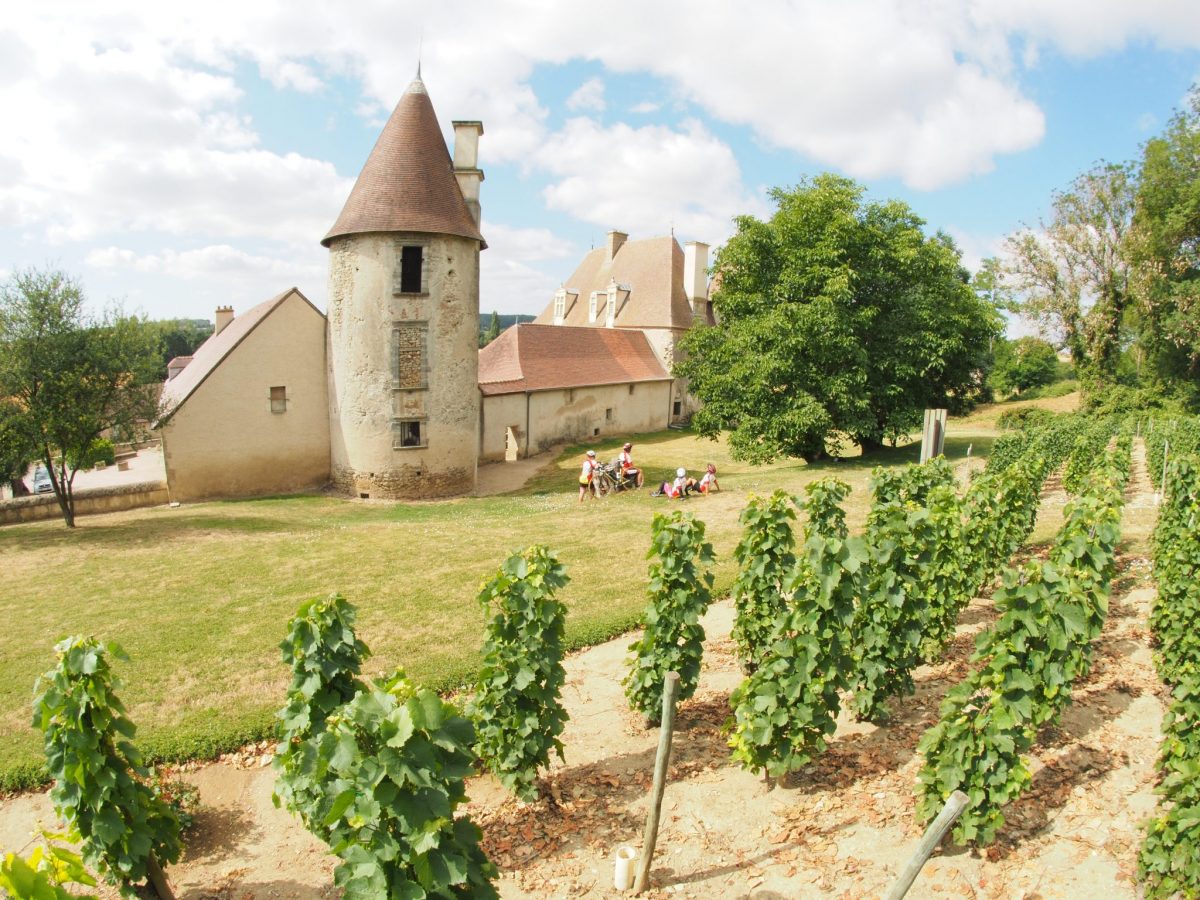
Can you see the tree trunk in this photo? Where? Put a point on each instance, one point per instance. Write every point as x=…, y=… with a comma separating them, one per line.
x=19, y=488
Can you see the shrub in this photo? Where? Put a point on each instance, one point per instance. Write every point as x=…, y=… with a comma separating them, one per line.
x=1025, y=417
x=679, y=591
x=100, y=451
x=100, y=787
x=517, y=712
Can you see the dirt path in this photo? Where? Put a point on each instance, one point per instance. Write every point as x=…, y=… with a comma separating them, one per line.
x=502, y=477
x=841, y=828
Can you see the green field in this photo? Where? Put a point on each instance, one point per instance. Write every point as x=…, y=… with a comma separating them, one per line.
x=199, y=595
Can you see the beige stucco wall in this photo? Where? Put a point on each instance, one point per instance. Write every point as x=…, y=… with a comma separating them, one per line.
x=363, y=399
x=224, y=441
x=567, y=416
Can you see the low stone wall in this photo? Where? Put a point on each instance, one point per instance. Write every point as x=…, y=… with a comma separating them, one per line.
x=87, y=503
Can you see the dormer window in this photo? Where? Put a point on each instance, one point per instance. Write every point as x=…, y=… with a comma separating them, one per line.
x=560, y=306
x=610, y=312
x=592, y=307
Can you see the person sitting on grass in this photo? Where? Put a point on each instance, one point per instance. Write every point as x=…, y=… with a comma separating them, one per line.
x=586, y=474
x=677, y=489
x=709, y=482
x=625, y=462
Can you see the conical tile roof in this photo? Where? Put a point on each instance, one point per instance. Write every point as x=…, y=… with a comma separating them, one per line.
x=408, y=182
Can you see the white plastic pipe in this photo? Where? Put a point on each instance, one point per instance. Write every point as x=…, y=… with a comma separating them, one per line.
x=623, y=870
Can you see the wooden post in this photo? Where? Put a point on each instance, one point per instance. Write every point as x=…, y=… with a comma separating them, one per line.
x=158, y=879
x=666, y=729
x=929, y=841
x=1163, y=483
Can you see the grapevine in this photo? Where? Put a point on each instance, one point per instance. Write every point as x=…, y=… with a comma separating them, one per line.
x=679, y=590
x=786, y=709
x=517, y=711
x=766, y=557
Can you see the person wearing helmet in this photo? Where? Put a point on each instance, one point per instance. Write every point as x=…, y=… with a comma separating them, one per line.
x=625, y=462
x=709, y=481
x=679, y=488
x=586, y=474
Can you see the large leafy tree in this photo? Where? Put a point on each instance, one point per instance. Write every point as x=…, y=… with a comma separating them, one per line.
x=836, y=317
x=1072, y=273
x=75, y=376
x=1165, y=247
x=1023, y=364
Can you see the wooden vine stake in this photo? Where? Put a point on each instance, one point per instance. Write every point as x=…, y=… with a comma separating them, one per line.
x=929, y=841
x=665, y=731
x=158, y=879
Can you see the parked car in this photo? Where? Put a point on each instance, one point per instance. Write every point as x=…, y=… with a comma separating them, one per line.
x=41, y=481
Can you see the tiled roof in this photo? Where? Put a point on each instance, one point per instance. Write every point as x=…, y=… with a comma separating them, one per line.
x=209, y=355
x=408, y=182
x=532, y=357
x=651, y=268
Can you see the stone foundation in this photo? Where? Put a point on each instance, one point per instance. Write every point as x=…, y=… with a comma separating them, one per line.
x=404, y=483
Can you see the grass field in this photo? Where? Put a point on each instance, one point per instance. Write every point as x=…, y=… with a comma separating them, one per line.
x=199, y=596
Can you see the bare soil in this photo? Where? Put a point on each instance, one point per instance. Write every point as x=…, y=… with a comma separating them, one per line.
x=843, y=827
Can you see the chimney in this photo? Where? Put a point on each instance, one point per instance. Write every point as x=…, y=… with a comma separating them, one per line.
x=695, y=271
x=466, y=163
x=615, y=240
x=224, y=317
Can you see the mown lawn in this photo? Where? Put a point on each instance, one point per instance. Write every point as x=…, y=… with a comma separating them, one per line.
x=199, y=596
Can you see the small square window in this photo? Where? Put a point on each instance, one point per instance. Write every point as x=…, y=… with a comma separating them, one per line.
x=571, y=395
x=608, y=414
x=408, y=433
x=279, y=399
x=676, y=408
x=631, y=387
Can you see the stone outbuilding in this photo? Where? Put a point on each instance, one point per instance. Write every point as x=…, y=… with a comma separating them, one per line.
x=543, y=385
x=249, y=414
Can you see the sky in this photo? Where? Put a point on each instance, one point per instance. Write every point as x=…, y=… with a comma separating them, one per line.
x=177, y=157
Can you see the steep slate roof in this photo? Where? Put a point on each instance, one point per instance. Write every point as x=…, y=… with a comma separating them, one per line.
x=213, y=351
x=530, y=357
x=408, y=182
x=653, y=270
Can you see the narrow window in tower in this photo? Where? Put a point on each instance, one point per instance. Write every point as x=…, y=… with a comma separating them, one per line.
x=410, y=269
x=408, y=433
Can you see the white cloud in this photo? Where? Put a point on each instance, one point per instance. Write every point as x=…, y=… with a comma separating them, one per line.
x=645, y=107
x=588, y=96
x=646, y=180
x=511, y=279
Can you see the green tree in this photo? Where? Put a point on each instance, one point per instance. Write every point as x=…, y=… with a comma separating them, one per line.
x=1022, y=364
x=1073, y=272
x=178, y=337
x=76, y=376
x=16, y=450
x=1165, y=246
x=836, y=316
x=493, y=330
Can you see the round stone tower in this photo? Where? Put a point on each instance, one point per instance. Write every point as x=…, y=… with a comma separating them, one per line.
x=403, y=329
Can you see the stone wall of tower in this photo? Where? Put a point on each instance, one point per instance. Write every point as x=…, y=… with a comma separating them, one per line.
x=397, y=358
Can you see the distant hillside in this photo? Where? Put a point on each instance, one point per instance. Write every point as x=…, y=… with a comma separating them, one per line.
x=485, y=320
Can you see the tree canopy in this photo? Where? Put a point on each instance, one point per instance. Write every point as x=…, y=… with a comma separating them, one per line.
x=1165, y=250
x=73, y=376
x=838, y=318
x=1022, y=364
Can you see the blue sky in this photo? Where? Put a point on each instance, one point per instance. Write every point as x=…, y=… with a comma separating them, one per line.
x=177, y=159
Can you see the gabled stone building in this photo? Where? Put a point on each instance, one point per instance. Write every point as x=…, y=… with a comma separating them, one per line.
x=387, y=396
